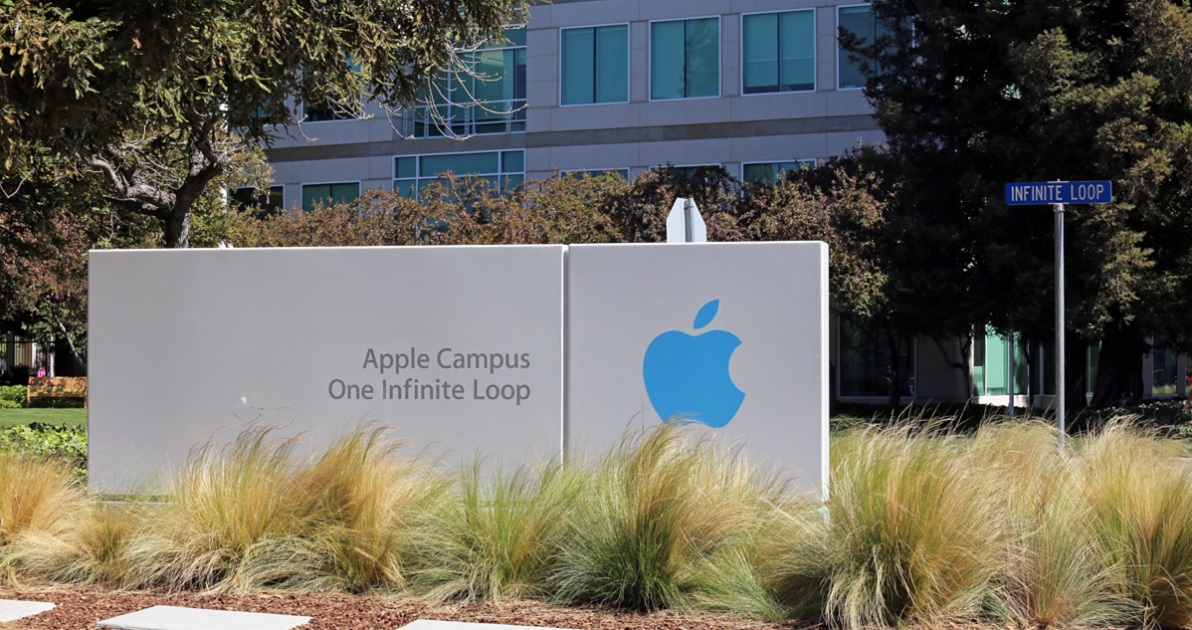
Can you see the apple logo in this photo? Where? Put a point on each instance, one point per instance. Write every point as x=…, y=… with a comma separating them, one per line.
x=687, y=377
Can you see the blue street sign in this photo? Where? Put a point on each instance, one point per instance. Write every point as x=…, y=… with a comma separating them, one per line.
x=1039, y=193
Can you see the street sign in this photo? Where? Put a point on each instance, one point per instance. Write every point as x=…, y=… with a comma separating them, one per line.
x=1042, y=193
x=1057, y=194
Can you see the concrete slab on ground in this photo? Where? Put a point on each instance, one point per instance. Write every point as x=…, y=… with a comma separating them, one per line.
x=179, y=618
x=429, y=624
x=13, y=609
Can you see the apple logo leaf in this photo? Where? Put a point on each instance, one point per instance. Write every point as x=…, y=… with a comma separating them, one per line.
x=706, y=314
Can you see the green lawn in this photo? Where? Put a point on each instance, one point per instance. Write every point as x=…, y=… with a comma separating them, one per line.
x=68, y=417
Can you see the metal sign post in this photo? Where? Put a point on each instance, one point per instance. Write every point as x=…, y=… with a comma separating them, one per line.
x=684, y=223
x=1061, y=385
x=1057, y=194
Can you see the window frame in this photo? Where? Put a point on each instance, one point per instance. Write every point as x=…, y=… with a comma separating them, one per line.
x=628, y=63
x=307, y=121
x=302, y=190
x=650, y=58
x=418, y=168
x=418, y=118
x=814, y=52
x=814, y=163
x=623, y=171
x=836, y=41
x=268, y=191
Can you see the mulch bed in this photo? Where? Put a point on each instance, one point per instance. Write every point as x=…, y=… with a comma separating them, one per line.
x=80, y=608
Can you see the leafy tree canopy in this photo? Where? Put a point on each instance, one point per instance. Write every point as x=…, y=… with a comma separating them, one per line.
x=975, y=94
x=158, y=96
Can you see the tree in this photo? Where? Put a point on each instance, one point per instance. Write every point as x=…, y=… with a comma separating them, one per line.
x=973, y=95
x=159, y=97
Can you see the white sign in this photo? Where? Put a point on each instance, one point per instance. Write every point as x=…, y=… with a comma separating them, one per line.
x=459, y=348
x=733, y=337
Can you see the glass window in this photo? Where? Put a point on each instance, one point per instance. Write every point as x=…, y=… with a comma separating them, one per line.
x=505, y=169
x=596, y=172
x=490, y=97
x=1092, y=362
x=685, y=58
x=1163, y=370
x=595, y=65
x=328, y=194
x=267, y=201
x=322, y=112
x=866, y=364
x=860, y=21
x=770, y=172
x=779, y=52
x=991, y=365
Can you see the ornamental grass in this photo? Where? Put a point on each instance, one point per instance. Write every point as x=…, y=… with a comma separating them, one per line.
x=923, y=526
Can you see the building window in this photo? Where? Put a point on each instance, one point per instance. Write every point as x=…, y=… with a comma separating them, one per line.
x=866, y=364
x=265, y=201
x=860, y=21
x=503, y=169
x=991, y=365
x=328, y=194
x=770, y=172
x=1164, y=370
x=595, y=65
x=324, y=112
x=596, y=172
x=490, y=97
x=778, y=52
x=685, y=58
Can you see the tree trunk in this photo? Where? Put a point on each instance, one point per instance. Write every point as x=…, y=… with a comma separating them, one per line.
x=1119, y=371
x=176, y=228
x=74, y=350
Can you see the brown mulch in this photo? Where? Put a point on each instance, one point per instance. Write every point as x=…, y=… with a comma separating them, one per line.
x=79, y=608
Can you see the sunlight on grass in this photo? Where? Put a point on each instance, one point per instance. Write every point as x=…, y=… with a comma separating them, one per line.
x=924, y=525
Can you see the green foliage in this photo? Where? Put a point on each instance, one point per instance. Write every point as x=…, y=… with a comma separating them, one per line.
x=840, y=208
x=990, y=93
x=144, y=95
x=67, y=445
x=13, y=396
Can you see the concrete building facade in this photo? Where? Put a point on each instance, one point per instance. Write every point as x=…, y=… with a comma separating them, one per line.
x=753, y=85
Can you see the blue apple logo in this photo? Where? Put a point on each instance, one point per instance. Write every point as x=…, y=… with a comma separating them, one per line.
x=687, y=375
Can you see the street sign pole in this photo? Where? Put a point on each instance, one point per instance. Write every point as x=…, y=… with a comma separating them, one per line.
x=1056, y=194
x=1060, y=383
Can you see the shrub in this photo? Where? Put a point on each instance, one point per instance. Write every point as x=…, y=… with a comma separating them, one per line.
x=365, y=501
x=61, y=443
x=92, y=550
x=217, y=508
x=499, y=536
x=13, y=396
x=1139, y=495
x=1055, y=577
x=36, y=495
x=913, y=535
x=655, y=512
